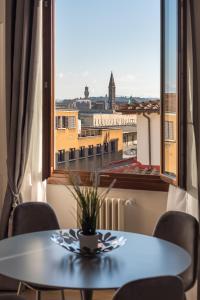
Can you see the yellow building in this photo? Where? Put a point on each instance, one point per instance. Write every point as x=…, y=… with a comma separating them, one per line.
x=74, y=143
x=170, y=145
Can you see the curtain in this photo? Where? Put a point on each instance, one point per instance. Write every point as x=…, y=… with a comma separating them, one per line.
x=22, y=18
x=33, y=188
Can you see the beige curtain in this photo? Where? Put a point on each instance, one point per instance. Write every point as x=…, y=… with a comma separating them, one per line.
x=33, y=189
x=22, y=19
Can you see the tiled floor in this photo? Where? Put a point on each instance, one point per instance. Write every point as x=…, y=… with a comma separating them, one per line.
x=69, y=295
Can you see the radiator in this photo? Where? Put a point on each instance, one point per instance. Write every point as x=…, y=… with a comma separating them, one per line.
x=111, y=216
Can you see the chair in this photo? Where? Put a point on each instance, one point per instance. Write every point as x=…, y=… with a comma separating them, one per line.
x=10, y=297
x=32, y=217
x=158, y=288
x=181, y=229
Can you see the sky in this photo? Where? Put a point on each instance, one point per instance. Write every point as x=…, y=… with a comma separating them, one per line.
x=95, y=37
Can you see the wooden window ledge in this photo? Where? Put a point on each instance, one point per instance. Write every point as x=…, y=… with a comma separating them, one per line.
x=123, y=181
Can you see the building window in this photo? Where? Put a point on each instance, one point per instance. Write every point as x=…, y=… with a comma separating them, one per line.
x=169, y=130
x=82, y=152
x=90, y=150
x=61, y=155
x=72, y=153
x=105, y=147
x=71, y=122
x=98, y=149
x=58, y=122
x=65, y=122
x=113, y=146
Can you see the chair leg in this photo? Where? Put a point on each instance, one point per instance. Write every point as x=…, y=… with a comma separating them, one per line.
x=38, y=295
x=62, y=294
x=19, y=289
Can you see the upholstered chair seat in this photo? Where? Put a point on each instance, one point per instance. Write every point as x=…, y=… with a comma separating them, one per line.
x=181, y=229
x=158, y=288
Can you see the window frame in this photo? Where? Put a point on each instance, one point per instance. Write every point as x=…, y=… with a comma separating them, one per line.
x=53, y=176
x=181, y=132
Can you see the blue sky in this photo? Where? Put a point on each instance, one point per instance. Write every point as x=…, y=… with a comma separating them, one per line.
x=94, y=37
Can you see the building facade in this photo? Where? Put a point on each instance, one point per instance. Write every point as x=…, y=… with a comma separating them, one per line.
x=107, y=119
x=85, y=148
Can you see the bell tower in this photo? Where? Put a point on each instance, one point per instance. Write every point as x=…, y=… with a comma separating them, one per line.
x=86, y=92
x=111, y=93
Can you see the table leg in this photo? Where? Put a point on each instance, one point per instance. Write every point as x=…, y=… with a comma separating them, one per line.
x=86, y=294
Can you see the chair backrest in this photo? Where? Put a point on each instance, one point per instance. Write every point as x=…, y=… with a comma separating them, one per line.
x=33, y=216
x=157, y=288
x=181, y=229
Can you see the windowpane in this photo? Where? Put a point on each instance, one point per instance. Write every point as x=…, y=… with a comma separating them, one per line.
x=107, y=120
x=170, y=86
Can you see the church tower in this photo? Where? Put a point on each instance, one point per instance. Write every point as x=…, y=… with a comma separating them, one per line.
x=86, y=92
x=111, y=93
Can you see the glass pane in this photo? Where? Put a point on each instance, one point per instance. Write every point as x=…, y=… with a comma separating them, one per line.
x=170, y=86
x=107, y=86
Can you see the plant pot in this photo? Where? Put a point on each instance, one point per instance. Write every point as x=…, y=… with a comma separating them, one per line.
x=88, y=241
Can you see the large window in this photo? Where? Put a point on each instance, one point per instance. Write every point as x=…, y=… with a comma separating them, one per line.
x=114, y=114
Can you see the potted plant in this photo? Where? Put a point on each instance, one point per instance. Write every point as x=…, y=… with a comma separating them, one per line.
x=89, y=200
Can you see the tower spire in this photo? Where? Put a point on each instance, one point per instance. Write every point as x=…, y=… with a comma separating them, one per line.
x=86, y=92
x=111, y=93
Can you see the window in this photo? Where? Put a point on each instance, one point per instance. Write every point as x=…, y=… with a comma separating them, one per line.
x=61, y=155
x=105, y=147
x=113, y=146
x=58, y=122
x=173, y=93
x=82, y=152
x=169, y=130
x=72, y=153
x=65, y=122
x=65, y=87
x=98, y=149
x=90, y=150
x=71, y=122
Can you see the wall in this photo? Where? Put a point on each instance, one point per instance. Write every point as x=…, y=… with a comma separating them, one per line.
x=2, y=106
x=140, y=217
x=142, y=139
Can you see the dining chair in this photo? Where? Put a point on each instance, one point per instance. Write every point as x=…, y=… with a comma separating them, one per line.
x=32, y=217
x=181, y=229
x=10, y=297
x=157, y=288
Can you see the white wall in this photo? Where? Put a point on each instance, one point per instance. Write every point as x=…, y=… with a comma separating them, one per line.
x=142, y=139
x=139, y=218
x=2, y=107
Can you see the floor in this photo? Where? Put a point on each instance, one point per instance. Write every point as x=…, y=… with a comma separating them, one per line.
x=69, y=295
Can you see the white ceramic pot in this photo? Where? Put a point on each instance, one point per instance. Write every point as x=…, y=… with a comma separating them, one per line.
x=89, y=241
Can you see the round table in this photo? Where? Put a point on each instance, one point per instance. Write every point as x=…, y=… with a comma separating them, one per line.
x=34, y=258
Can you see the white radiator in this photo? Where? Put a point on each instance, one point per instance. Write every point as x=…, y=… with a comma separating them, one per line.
x=112, y=213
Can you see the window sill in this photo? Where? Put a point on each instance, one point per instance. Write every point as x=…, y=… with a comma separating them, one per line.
x=123, y=181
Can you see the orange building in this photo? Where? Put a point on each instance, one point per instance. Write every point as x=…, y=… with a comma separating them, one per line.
x=73, y=143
